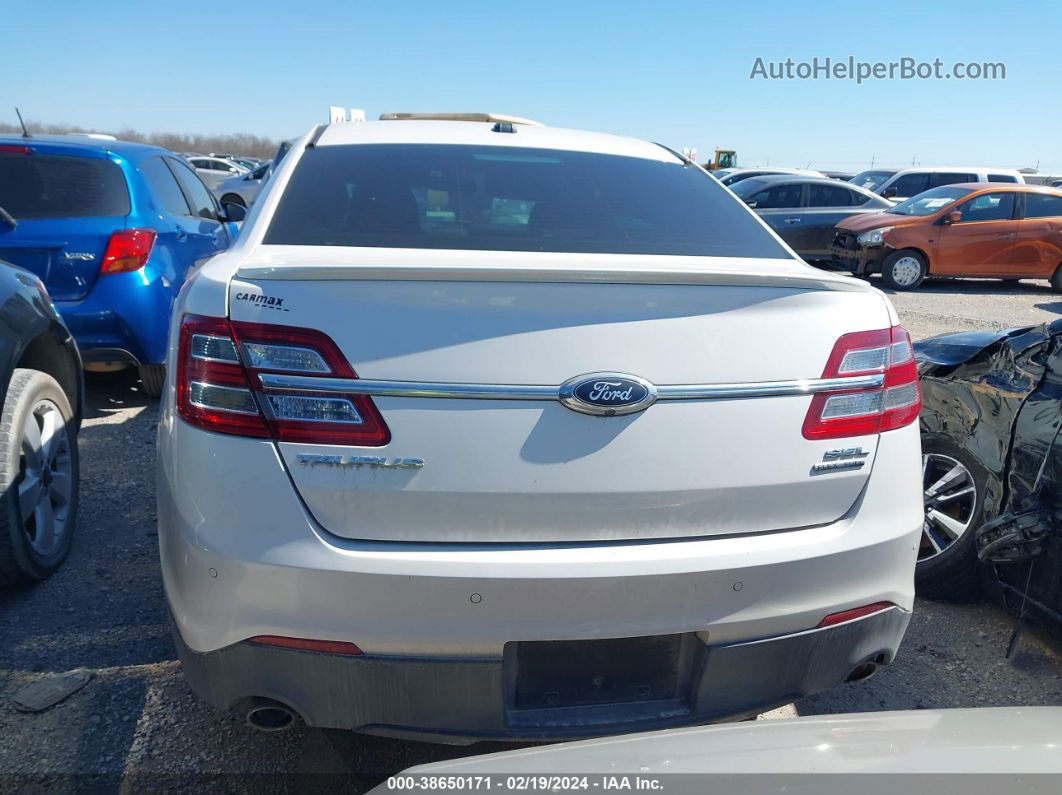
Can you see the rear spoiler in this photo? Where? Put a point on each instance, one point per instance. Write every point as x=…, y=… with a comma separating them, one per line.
x=751, y=276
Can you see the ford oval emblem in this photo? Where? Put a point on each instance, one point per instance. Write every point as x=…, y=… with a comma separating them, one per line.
x=607, y=394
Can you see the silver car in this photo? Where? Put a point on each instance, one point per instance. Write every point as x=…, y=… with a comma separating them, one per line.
x=246, y=161
x=215, y=170
x=243, y=188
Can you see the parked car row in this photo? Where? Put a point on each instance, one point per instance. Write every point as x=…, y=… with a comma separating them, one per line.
x=242, y=189
x=214, y=170
x=992, y=225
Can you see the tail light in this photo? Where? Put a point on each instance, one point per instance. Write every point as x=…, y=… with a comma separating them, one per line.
x=218, y=386
x=127, y=251
x=306, y=644
x=862, y=412
x=833, y=619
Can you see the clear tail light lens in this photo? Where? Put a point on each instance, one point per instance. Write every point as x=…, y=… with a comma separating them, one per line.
x=861, y=412
x=218, y=386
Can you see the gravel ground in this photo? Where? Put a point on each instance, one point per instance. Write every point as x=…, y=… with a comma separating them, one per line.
x=940, y=306
x=104, y=611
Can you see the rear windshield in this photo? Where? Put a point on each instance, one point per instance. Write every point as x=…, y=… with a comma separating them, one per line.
x=511, y=199
x=35, y=187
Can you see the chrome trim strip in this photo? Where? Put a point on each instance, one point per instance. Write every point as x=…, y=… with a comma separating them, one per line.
x=767, y=388
x=426, y=389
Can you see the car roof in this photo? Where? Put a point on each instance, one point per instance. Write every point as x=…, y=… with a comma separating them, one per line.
x=75, y=144
x=989, y=187
x=775, y=179
x=772, y=170
x=478, y=133
x=975, y=169
x=786, y=179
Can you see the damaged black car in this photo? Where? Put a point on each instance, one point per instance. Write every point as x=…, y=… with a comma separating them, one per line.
x=992, y=467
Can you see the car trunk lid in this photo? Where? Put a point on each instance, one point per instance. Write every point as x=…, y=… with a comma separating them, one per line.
x=520, y=469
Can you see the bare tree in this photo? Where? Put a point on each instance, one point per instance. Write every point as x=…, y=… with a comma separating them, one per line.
x=234, y=143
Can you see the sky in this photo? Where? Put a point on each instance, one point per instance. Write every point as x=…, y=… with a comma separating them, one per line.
x=677, y=72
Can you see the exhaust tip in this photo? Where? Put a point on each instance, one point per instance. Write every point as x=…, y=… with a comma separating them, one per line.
x=269, y=716
x=864, y=670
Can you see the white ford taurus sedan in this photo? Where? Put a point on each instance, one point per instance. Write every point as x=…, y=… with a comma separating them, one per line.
x=489, y=429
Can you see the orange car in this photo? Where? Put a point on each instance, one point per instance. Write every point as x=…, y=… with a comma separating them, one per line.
x=1002, y=231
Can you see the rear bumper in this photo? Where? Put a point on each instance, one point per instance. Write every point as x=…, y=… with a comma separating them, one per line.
x=124, y=318
x=471, y=698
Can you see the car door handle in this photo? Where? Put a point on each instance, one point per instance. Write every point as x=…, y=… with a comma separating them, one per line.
x=791, y=221
x=180, y=233
x=1007, y=236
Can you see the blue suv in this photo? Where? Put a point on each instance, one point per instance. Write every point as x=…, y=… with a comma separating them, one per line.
x=112, y=229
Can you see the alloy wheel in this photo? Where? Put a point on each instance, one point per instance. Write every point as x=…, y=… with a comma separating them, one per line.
x=950, y=498
x=46, y=483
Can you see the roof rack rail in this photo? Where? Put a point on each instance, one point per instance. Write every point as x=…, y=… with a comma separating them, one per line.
x=94, y=136
x=489, y=117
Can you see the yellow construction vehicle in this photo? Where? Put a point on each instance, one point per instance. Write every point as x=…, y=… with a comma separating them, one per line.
x=724, y=158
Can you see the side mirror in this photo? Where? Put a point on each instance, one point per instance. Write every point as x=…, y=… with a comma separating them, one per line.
x=888, y=193
x=233, y=212
x=953, y=217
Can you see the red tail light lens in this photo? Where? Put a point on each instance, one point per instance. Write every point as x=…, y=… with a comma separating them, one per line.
x=306, y=644
x=856, y=612
x=8, y=149
x=862, y=412
x=127, y=250
x=218, y=386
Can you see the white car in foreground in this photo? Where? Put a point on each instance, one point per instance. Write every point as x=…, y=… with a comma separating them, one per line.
x=486, y=429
